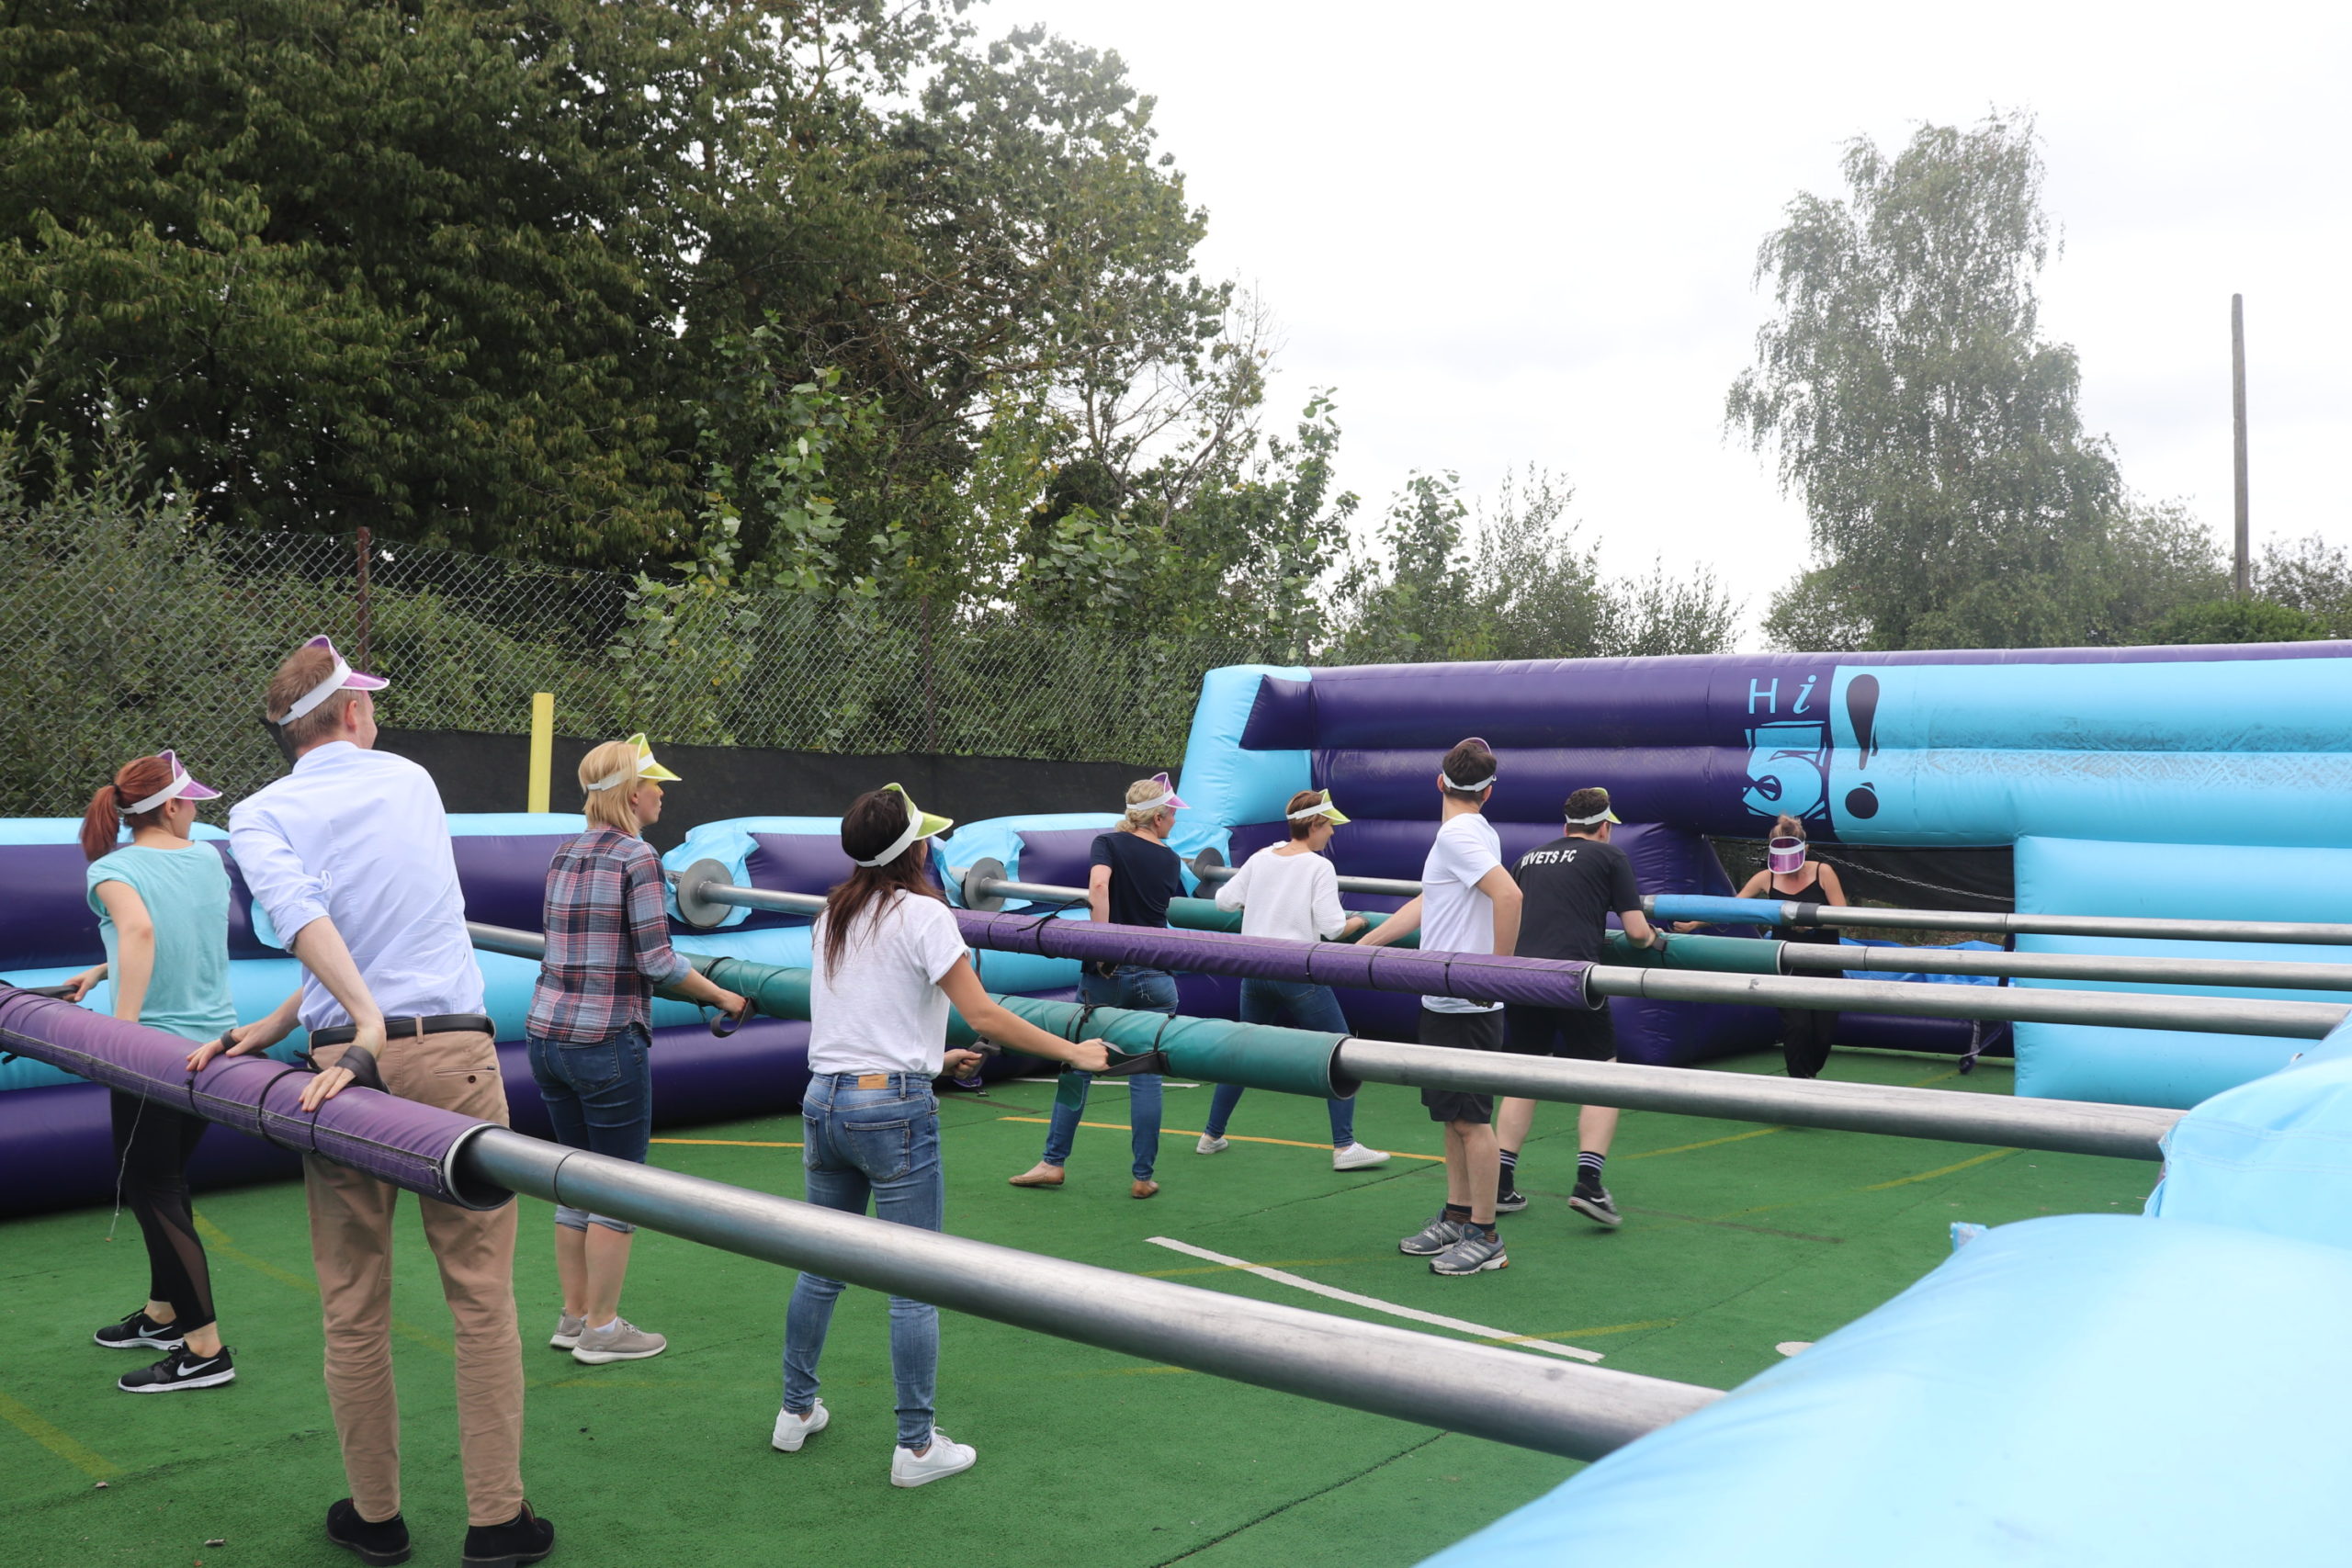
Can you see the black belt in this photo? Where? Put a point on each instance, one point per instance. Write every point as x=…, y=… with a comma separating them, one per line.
x=408, y=1028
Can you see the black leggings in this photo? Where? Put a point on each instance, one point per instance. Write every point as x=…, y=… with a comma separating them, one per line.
x=153, y=1142
x=1804, y=1040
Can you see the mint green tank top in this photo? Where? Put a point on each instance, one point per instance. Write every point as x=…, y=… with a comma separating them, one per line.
x=187, y=895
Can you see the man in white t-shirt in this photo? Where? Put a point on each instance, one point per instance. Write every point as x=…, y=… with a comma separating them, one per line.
x=1468, y=904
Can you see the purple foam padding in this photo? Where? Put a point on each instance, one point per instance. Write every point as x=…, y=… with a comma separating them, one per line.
x=1684, y=784
x=506, y=876
x=1700, y=699
x=798, y=863
x=1058, y=857
x=243, y=943
x=46, y=921
x=1480, y=977
x=395, y=1140
x=57, y=1152
x=1891, y=1031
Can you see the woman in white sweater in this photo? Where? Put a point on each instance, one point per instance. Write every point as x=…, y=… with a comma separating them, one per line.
x=1290, y=890
x=885, y=964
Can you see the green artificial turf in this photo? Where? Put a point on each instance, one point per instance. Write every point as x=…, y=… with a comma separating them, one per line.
x=1738, y=1238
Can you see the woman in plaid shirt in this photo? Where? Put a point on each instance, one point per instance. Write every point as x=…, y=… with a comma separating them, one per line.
x=609, y=947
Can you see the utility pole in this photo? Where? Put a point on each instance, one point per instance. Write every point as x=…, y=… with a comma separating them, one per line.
x=2244, y=580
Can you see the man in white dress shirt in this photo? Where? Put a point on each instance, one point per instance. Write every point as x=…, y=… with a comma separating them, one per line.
x=349, y=857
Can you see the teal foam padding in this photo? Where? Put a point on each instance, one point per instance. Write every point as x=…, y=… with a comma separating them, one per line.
x=68, y=830
x=515, y=824
x=1225, y=786
x=2216, y=882
x=2080, y=1392
x=2273, y=1155
x=255, y=986
x=1989, y=753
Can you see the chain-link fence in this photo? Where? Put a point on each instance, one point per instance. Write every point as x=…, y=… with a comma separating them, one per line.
x=119, y=639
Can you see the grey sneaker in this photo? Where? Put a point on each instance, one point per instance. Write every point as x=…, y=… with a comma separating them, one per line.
x=1434, y=1237
x=1475, y=1254
x=1590, y=1199
x=619, y=1341
x=567, y=1331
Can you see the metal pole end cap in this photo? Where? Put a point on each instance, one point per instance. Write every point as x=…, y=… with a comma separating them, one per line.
x=981, y=874
x=703, y=914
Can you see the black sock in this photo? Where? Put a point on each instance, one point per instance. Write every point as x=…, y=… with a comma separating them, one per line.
x=1492, y=1232
x=1588, y=1167
x=1457, y=1211
x=1510, y=1179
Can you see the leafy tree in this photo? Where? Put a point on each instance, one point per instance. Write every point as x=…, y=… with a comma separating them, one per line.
x=2239, y=620
x=1933, y=433
x=2309, y=575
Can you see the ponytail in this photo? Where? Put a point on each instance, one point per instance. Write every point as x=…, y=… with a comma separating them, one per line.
x=102, y=821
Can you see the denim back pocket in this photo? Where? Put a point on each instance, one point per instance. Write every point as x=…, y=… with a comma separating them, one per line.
x=883, y=1150
x=586, y=1067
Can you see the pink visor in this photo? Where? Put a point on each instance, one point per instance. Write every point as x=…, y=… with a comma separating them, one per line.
x=343, y=677
x=1166, y=798
x=182, y=786
x=1784, y=855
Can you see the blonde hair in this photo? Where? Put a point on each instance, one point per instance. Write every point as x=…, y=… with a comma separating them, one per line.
x=1141, y=790
x=611, y=808
x=298, y=678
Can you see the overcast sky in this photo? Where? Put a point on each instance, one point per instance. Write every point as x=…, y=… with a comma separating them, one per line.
x=1519, y=234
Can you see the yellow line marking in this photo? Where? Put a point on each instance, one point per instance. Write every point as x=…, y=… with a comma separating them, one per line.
x=1273, y=1263
x=87, y=1461
x=1611, y=1328
x=1943, y=1170
x=1706, y=1144
x=726, y=1143
x=1231, y=1137
x=216, y=1240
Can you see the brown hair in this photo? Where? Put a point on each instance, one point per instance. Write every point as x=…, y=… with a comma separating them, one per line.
x=102, y=821
x=1787, y=827
x=296, y=679
x=872, y=823
x=1300, y=802
x=612, y=808
x=1468, y=760
x=1591, y=802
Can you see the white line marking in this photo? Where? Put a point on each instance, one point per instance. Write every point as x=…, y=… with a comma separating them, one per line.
x=1479, y=1329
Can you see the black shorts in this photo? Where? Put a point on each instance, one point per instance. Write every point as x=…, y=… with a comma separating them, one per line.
x=1461, y=1032
x=1585, y=1033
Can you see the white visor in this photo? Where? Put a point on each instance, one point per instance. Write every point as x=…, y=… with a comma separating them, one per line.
x=173, y=790
x=1145, y=807
x=320, y=692
x=898, y=845
x=1466, y=788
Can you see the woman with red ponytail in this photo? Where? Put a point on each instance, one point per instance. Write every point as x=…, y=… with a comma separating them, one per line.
x=163, y=908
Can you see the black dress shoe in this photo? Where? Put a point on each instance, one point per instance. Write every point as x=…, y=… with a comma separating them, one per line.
x=525, y=1538
x=380, y=1545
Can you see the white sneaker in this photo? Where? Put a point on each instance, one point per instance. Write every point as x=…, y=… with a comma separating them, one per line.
x=1355, y=1157
x=791, y=1430
x=619, y=1341
x=1209, y=1145
x=945, y=1457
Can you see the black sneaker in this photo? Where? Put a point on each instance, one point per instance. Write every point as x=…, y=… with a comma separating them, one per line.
x=1511, y=1201
x=380, y=1545
x=139, y=1332
x=1590, y=1199
x=525, y=1538
x=182, y=1369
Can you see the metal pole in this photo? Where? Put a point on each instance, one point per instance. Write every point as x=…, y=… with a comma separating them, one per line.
x=1759, y=911
x=364, y=602
x=2244, y=574
x=2089, y=967
x=2007, y=1004
x=1209, y=866
x=1508, y=1397
x=2127, y=1131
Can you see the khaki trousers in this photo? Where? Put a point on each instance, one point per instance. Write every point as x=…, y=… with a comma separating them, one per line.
x=351, y=1243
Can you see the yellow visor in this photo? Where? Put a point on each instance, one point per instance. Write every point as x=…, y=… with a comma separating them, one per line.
x=1323, y=809
x=646, y=767
x=921, y=824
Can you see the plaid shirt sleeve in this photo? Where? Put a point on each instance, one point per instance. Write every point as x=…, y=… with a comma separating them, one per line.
x=608, y=942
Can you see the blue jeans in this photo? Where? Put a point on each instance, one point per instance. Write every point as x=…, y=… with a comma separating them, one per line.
x=1300, y=1006
x=1138, y=990
x=884, y=1143
x=600, y=1098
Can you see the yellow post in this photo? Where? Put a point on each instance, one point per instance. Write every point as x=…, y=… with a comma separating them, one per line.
x=542, y=747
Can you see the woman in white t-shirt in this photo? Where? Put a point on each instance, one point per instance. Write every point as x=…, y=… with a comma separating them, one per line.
x=886, y=962
x=1290, y=890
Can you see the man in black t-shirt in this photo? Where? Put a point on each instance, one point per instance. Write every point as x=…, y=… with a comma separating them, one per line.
x=1568, y=888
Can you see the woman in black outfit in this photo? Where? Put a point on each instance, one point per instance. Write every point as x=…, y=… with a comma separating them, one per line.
x=1788, y=874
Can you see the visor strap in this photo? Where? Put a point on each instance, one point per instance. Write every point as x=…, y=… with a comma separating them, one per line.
x=609, y=780
x=318, y=693
x=170, y=792
x=898, y=845
x=1602, y=816
x=1154, y=804
x=1466, y=788
x=1322, y=808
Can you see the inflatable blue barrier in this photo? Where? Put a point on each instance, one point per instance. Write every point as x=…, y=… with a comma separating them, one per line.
x=2273, y=1155
x=2078, y=1392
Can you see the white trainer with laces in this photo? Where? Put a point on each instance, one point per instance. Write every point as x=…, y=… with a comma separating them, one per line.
x=619, y=1341
x=567, y=1331
x=791, y=1430
x=1209, y=1145
x=1355, y=1157
x=946, y=1457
